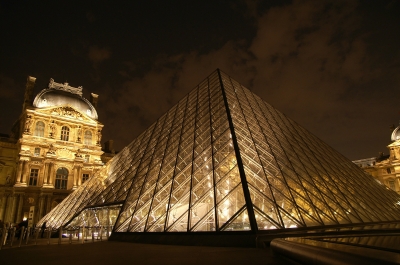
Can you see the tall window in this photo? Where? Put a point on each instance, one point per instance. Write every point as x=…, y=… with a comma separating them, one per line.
x=64, y=133
x=33, y=177
x=85, y=177
x=61, y=178
x=88, y=137
x=87, y=158
x=39, y=129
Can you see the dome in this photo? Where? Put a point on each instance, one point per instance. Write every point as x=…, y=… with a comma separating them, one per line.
x=396, y=134
x=57, y=95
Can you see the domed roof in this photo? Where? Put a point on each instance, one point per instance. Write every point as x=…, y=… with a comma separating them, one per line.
x=396, y=134
x=57, y=95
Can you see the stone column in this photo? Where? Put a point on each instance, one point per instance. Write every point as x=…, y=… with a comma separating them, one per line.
x=25, y=173
x=79, y=176
x=51, y=176
x=8, y=209
x=20, y=204
x=11, y=209
x=3, y=206
x=42, y=202
x=19, y=172
x=48, y=204
x=45, y=173
x=74, y=186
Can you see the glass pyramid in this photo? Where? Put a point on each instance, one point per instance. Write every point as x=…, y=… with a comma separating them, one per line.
x=222, y=159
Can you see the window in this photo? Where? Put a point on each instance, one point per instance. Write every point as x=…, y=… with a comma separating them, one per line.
x=64, y=133
x=85, y=177
x=88, y=137
x=39, y=129
x=37, y=151
x=87, y=158
x=61, y=178
x=33, y=177
x=388, y=170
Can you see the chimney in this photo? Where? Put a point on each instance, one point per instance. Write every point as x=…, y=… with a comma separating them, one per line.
x=108, y=146
x=30, y=84
x=93, y=99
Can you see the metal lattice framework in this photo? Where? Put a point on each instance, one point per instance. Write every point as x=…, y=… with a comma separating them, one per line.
x=222, y=159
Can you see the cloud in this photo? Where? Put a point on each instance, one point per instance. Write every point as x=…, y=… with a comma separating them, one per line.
x=97, y=55
x=310, y=59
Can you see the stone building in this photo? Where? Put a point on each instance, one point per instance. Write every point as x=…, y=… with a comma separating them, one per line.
x=385, y=168
x=54, y=147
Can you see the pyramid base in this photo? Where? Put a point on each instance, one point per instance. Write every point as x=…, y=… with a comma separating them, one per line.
x=226, y=239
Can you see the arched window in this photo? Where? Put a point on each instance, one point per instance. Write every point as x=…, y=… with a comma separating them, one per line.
x=61, y=178
x=64, y=133
x=39, y=129
x=88, y=137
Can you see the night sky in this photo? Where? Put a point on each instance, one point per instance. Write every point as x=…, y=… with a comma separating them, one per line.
x=332, y=66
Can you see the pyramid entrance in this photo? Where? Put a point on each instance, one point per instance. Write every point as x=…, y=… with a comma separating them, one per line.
x=223, y=161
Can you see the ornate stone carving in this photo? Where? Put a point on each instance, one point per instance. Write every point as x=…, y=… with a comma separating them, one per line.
x=78, y=154
x=65, y=87
x=68, y=112
x=78, y=134
x=52, y=150
x=52, y=129
x=65, y=153
x=98, y=137
x=28, y=124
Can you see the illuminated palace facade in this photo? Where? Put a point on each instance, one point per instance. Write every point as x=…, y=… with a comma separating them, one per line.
x=53, y=149
x=223, y=163
x=385, y=169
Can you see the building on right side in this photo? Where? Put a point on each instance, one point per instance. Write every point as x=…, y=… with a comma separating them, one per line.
x=385, y=168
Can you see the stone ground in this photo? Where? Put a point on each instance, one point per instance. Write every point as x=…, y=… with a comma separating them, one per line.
x=113, y=252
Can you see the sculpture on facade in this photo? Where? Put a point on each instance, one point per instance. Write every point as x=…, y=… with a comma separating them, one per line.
x=52, y=128
x=52, y=150
x=98, y=137
x=28, y=123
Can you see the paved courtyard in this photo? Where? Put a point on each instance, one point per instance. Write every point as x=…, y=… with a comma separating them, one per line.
x=112, y=252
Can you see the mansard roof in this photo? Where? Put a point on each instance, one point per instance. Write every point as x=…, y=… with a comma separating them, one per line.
x=57, y=94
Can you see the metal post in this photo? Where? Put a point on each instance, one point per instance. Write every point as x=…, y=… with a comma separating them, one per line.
x=93, y=234
x=70, y=236
x=28, y=231
x=12, y=236
x=36, y=235
x=101, y=233
x=21, y=235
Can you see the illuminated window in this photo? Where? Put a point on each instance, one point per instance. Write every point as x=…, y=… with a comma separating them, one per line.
x=88, y=137
x=33, y=177
x=87, y=158
x=64, y=133
x=85, y=177
x=39, y=129
x=61, y=178
x=37, y=151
